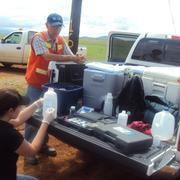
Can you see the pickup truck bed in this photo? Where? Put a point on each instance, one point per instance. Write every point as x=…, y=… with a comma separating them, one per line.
x=146, y=163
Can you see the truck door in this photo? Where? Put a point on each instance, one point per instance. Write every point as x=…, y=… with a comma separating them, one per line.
x=119, y=45
x=11, y=48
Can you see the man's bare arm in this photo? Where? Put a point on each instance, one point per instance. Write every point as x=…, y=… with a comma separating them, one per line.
x=64, y=58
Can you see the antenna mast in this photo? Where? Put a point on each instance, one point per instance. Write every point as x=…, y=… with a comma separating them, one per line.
x=172, y=17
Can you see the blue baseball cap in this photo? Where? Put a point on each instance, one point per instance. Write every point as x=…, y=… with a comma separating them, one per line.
x=54, y=20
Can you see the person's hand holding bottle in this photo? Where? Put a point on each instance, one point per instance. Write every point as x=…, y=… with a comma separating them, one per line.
x=49, y=116
x=80, y=59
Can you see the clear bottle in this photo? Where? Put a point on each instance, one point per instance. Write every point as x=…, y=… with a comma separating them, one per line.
x=82, y=51
x=122, y=118
x=72, y=110
x=50, y=101
x=108, y=104
x=163, y=125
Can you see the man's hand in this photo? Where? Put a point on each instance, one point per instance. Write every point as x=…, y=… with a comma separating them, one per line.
x=80, y=59
x=49, y=116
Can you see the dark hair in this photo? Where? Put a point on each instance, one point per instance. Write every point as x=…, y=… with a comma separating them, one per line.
x=10, y=98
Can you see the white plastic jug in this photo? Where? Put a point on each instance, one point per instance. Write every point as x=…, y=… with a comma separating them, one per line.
x=122, y=118
x=108, y=104
x=50, y=101
x=163, y=125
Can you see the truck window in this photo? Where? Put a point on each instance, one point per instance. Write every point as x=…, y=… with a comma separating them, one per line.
x=14, y=38
x=30, y=35
x=149, y=50
x=119, y=46
x=172, y=52
x=164, y=51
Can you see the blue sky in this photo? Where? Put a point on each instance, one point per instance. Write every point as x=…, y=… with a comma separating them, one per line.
x=98, y=17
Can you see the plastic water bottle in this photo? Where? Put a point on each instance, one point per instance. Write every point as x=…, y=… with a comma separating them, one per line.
x=50, y=101
x=108, y=104
x=122, y=118
x=82, y=51
x=163, y=126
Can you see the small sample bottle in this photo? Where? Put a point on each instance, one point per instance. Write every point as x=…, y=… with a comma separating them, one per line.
x=122, y=118
x=108, y=104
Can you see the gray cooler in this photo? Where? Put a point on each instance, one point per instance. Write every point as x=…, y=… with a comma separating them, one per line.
x=97, y=83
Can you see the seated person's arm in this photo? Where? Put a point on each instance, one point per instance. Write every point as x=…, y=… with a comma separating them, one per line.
x=30, y=149
x=26, y=113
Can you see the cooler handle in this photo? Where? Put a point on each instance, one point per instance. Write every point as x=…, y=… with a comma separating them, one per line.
x=155, y=84
x=159, y=89
x=98, y=78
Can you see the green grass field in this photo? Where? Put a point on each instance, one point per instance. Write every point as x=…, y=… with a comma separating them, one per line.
x=96, y=48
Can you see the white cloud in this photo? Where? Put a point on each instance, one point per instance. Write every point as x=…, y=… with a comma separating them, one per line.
x=33, y=12
x=136, y=15
x=98, y=17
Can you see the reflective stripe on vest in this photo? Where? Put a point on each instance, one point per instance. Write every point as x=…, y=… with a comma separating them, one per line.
x=48, y=45
x=41, y=71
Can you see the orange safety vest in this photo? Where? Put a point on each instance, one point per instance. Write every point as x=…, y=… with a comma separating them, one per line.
x=37, y=68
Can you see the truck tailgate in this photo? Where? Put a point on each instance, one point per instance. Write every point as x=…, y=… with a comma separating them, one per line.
x=146, y=163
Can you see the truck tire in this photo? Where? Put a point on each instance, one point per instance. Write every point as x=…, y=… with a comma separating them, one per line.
x=7, y=65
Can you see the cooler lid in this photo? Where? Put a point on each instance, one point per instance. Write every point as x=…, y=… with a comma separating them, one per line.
x=106, y=67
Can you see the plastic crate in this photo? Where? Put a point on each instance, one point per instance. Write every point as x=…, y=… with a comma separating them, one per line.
x=68, y=95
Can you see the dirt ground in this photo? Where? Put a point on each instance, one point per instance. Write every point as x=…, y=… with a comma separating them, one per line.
x=70, y=163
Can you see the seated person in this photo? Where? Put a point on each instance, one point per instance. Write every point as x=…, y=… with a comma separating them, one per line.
x=155, y=55
x=13, y=113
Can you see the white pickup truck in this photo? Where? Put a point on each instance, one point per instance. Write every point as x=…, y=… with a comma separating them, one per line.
x=98, y=79
x=143, y=49
x=14, y=48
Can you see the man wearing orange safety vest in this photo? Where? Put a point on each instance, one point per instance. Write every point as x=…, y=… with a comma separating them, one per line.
x=45, y=47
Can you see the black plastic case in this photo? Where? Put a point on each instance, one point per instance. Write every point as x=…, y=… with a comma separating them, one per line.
x=127, y=140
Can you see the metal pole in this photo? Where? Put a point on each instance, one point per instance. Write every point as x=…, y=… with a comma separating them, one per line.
x=74, y=25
